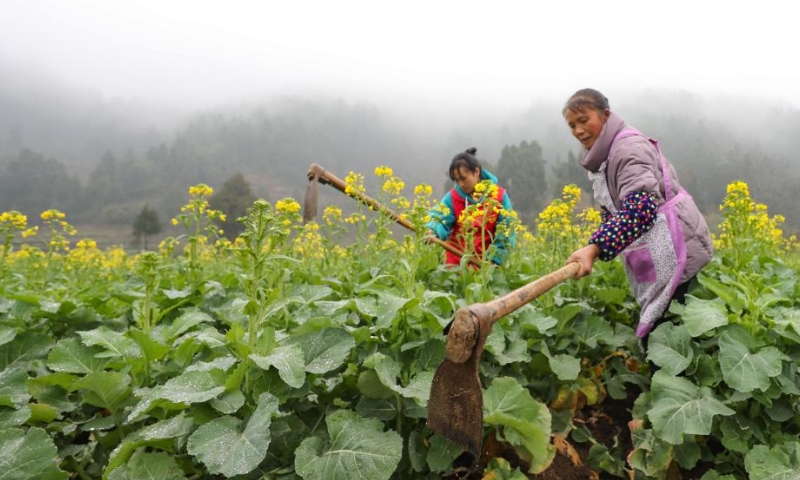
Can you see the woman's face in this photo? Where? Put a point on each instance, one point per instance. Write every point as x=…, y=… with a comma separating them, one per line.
x=466, y=179
x=587, y=124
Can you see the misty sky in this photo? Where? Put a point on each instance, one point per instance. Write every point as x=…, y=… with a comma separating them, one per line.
x=484, y=54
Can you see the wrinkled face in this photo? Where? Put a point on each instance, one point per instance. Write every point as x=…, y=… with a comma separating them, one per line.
x=466, y=179
x=586, y=125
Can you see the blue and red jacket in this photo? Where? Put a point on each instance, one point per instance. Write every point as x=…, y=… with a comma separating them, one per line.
x=447, y=226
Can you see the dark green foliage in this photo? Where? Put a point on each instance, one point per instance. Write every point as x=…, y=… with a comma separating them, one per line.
x=146, y=224
x=233, y=199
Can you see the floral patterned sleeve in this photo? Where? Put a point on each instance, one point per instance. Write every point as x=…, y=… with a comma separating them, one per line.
x=636, y=216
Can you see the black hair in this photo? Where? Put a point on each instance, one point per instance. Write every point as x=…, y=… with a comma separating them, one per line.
x=586, y=98
x=466, y=159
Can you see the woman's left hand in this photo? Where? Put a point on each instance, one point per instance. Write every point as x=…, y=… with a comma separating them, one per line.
x=586, y=257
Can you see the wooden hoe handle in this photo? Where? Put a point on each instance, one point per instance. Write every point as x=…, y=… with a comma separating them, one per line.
x=328, y=178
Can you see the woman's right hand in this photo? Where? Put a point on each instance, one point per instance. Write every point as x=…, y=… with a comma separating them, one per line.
x=586, y=257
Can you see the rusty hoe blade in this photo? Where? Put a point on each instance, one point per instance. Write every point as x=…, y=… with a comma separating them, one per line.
x=310, y=201
x=455, y=408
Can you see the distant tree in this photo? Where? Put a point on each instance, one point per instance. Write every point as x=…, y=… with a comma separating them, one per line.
x=571, y=171
x=520, y=170
x=233, y=199
x=146, y=224
x=32, y=183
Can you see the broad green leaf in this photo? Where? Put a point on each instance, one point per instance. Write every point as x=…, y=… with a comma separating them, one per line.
x=388, y=370
x=701, y=316
x=13, y=387
x=324, y=350
x=742, y=369
x=186, y=322
x=441, y=454
x=115, y=343
x=12, y=417
x=105, y=389
x=417, y=451
x=224, y=447
x=670, y=347
x=7, y=334
x=500, y=469
x=532, y=320
x=566, y=367
x=25, y=348
x=178, y=426
x=787, y=323
x=592, y=330
x=679, y=407
x=28, y=455
x=358, y=449
x=219, y=363
x=382, y=409
x=371, y=386
x=152, y=350
x=288, y=360
x=188, y=388
x=229, y=402
x=385, y=309
x=149, y=466
x=781, y=462
x=431, y=355
x=730, y=296
x=43, y=413
x=71, y=356
x=526, y=422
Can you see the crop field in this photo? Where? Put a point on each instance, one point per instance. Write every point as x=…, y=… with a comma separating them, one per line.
x=289, y=353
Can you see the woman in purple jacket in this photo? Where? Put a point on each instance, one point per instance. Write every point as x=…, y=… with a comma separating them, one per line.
x=647, y=216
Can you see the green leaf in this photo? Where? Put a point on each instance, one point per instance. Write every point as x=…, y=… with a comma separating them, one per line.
x=153, y=350
x=592, y=330
x=149, y=466
x=566, y=367
x=500, y=469
x=224, y=447
x=28, y=455
x=441, y=454
x=11, y=417
x=416, y=451
x=781, y=462
x=388, y=370
x=219, y=363
x=743, y=370
x=43, y=413
x=229, y=402
x=733, y=298
x=679, y=407
x=105, y=389
x=175, y=427
x=7, y=334
x=670, y=347
x=371, y=386
x=71, y=356
x=186, y=322
x=382, y=409
x=387, y=307
x=701, y=316
x=526, y=422
x=288, y=360
x=188, y=388
x=324, y=350
x=115, y=343
x=13, y=387
x=358, y=449
x=25, y=348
